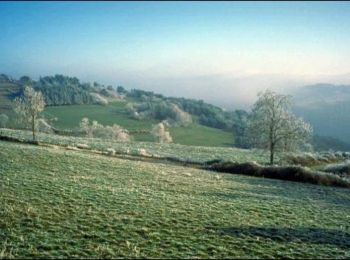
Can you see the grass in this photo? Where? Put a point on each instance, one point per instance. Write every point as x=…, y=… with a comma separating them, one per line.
x=182, y=152
x=70, y=116
x=200, y=135
x=114, y=113
x=290, y=173
x=57, y=203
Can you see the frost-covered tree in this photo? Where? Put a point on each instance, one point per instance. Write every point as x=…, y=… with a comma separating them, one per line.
x=160, y=133
x=119, y=133
x=85, y=127
x=272, y=126
x=28, y=107
x=95, y=129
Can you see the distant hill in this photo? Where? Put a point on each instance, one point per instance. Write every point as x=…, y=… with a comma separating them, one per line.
x=62, y=90
x=326, y=107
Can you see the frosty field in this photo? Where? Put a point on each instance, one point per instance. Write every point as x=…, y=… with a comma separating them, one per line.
x=58, y=203
x=182, y=152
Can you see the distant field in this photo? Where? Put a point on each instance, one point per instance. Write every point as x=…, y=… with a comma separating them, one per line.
x=182, y=152
x=61, y=204
x=70, y=116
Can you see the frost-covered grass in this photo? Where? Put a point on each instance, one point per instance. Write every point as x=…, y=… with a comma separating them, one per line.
x=60, y=204
x=182, y=152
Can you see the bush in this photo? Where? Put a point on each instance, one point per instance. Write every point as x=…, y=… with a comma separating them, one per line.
x=160, y=134
x=290, y=173
x=110, y=151
x=339, y=168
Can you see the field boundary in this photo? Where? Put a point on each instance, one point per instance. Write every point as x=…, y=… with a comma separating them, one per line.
x=286, y=173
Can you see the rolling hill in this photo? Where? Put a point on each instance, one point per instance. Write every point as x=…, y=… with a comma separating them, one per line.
x=68, y=117
x=69, y=103
x=325, y=106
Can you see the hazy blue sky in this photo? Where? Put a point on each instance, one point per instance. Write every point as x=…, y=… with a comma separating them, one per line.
x=171, y=47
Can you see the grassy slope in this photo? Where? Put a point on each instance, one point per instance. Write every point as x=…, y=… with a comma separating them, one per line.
x=70, y=116
x=183, y=152
x=59, y=203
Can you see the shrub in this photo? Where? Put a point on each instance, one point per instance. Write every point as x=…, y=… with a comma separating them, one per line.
x=290, y=173
x=110, y=151
x=339, y=168
x=160, y=134
x=95, y=129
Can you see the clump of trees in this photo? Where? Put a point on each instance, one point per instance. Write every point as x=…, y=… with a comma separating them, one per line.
x=28, y=107
x=63, y=90
x=159, y=110
x=95, y=129
x=160, y=134
x=272, y=126
x=162, y=108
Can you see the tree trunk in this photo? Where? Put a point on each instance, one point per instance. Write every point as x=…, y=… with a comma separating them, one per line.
x=33, y=127
x=272, y=153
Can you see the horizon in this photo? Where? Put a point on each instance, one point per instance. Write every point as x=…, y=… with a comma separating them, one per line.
x=180, y=49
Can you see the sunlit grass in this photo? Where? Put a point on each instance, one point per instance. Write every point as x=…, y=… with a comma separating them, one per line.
x=115, y=113
x=58, y=203
x=182, y=152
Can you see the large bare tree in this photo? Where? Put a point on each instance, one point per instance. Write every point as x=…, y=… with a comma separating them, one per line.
x=274, y=127
x=28, y=107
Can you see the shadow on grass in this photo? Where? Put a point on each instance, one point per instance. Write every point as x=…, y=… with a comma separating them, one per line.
x=304, y=235
x=263, y=187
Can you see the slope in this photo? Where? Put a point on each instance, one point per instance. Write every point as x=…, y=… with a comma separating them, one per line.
x=69, y=117
x=68, y=204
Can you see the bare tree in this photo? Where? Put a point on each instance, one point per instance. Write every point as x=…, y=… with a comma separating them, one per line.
x=274, y=127
x=29, y=106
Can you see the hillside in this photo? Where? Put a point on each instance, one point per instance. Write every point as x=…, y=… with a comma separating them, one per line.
x=68, y=100
x=193, y=122
x=68, y=117
x=59, y=204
